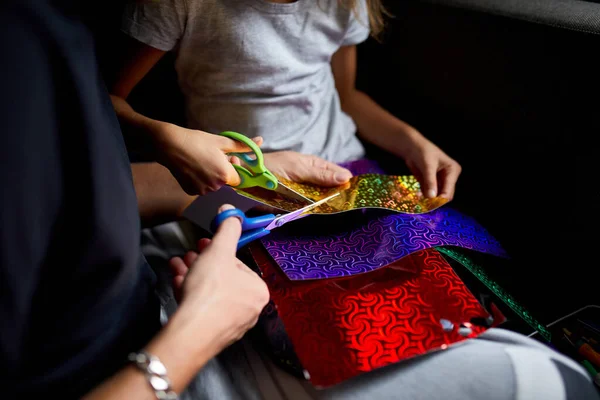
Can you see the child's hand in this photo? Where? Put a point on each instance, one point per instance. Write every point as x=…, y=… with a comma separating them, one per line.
x=198, y=159
x=434, y=169
x=304, y=168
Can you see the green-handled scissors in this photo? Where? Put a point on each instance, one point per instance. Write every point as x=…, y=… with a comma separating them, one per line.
x=257, y=174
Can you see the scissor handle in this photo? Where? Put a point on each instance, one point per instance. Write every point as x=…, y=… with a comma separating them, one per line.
x=253, y=228
x=258, y=174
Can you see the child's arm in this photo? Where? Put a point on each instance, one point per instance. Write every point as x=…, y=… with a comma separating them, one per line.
x=436, y=171
x=196, y=159
x=191, y=155
x=141, y=59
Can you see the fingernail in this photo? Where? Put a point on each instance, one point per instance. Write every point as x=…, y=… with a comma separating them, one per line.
x=431, y=193
x=225, y=207
x=342, y=176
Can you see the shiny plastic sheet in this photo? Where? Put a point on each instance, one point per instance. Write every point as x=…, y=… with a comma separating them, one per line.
x=362, y=243
x=341, y=328
x=396, y=193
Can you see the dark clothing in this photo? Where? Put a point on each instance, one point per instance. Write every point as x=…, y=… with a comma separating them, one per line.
x=75, y=292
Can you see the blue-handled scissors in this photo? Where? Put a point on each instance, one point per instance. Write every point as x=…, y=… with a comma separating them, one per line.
x=257, y=227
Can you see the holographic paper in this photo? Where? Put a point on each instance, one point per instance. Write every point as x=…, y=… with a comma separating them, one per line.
x=397, y=193
x=341, y=328
x=320, y=249
x=480, y=274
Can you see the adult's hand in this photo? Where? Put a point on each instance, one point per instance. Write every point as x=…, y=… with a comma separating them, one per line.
x=304, y=168
x=214, y=280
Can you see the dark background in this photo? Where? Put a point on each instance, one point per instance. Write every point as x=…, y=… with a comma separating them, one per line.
x=510, y=93
x=515, y=102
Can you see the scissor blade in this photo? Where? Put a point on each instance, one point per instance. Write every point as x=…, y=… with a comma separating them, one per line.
x=301, y=213
x=286, y=191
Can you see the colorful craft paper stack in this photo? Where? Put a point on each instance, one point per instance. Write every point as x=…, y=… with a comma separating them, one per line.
x=371, y=289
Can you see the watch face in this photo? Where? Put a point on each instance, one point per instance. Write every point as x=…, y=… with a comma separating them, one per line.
x=156, y=367
x=159, y=383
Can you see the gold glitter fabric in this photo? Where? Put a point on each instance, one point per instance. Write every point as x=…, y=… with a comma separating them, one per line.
x=396, y=193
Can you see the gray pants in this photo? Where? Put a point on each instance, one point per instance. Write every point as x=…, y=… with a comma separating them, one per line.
x=498, y=365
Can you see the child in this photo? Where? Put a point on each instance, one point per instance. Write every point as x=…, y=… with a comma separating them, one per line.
x=283, y=70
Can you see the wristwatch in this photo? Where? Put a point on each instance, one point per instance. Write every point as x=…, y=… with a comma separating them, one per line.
x=155, y=372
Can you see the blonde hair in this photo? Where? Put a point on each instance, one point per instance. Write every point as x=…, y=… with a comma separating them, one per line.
x=376, y=11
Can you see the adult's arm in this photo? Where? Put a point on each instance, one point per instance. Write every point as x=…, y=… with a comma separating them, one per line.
x=181, y=346
x=207, y=284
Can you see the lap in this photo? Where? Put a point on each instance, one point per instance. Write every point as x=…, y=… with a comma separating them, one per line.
x=499, y=365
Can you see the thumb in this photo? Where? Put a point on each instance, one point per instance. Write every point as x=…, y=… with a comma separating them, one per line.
x=228, y=234
x=235, y=160
x=324, y=173
x=224, y=171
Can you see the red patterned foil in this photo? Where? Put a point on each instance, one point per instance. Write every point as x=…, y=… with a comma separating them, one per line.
x=341, y=328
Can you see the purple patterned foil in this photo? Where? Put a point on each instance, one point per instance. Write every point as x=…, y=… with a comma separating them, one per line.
x=330, y=250
x=363, y=166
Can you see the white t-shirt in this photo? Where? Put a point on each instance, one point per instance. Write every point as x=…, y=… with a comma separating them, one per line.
x=258, y=68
